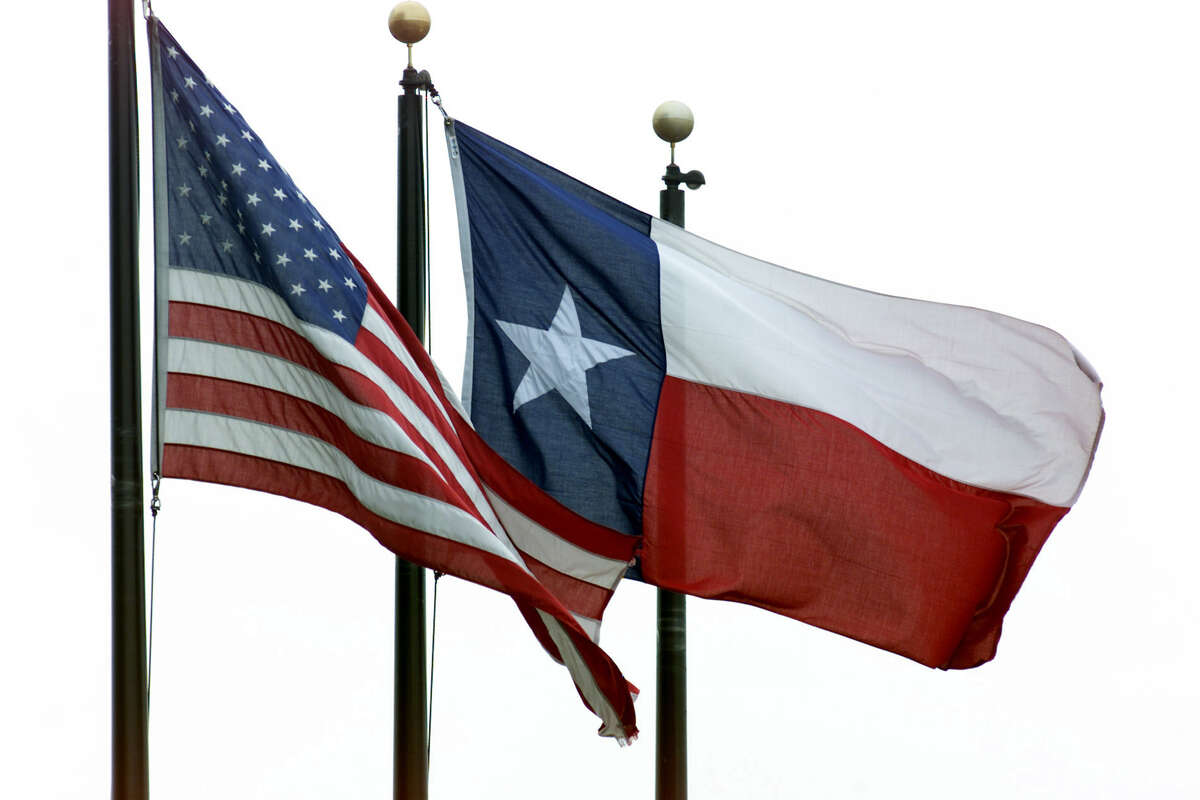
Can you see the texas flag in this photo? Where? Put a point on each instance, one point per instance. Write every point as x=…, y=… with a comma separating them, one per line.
x=881, y=467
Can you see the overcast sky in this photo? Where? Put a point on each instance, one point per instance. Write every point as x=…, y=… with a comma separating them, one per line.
x=1040, y=159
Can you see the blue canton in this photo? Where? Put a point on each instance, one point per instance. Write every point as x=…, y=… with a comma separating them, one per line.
x=234, y=210
x=567, y=356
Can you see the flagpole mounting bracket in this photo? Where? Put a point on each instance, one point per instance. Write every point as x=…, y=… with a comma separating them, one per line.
x=674, y=176
x=418, y=80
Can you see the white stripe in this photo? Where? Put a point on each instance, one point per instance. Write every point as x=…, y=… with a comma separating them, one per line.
x=583, y=678
x=251, y=298
x=234, y=294
x=984, y=399
x=289, y=447
x=452, y=397
x=554, y=551
x=383, y=331
x=590, y=626
x=256, y=368
x=464, y=242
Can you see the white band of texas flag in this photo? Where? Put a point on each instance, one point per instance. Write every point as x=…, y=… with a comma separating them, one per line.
x=882, y=467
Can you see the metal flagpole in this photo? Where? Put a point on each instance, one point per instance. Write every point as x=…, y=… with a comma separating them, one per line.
x=409, y=23
x=130, y=771
x=672, y=122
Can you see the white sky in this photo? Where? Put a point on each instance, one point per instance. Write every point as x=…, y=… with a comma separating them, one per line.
x=1040, y=159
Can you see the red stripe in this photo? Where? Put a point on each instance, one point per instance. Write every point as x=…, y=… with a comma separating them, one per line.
x=799, y=512
x=384, y=358
x=213, y=324
x=524, y=495
x=208, y=323
x=378, y=301
x=435, y=410
x=578, y=596
x=419, y=547
x=598, y=664
x=216, y=396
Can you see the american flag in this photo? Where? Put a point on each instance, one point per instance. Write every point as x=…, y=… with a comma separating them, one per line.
x=281, y=367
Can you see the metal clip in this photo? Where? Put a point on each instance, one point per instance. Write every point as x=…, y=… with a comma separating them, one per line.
x=155, y=503
x=437, y=101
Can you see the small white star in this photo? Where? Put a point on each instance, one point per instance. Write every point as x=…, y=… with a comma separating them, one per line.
x=175, y=95
x=294, y=224
x=279, y=194
x=297, y=289
x=189, y=83
x=205, y=219
x=317, y=224
x=222, y=198
x=338, y=315
x=207, y=155
x=335, y=255
x=282, y=260
x=247, y=136
x=206, y=111
x=171, y=51
x=182, y=142
x=350, y=284
x=229, y=108
x=224, y=185
x=240, y=227
x=191, y=126
x=184, y=190
x=184, y=238
x=263, y=165
x=309, y=254
x=324, y=285
x=268, y=229
x=238, y=169
x=301, y=198
x=203, y=170
x=226, y=246
x=222, y=140
x=257, y=257
x=253, y=198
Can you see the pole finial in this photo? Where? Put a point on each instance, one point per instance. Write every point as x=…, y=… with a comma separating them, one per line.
x=409, y=23
x=673, y=121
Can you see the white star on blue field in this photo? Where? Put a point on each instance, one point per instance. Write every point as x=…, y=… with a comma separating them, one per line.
x=559, y=358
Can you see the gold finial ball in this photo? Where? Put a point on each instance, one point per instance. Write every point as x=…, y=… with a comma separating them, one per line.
x=409, y=22
x=673, y=121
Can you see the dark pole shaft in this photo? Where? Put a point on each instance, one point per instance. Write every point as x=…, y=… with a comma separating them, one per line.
x=410, y=776
x=671, y=712
x=130, y=772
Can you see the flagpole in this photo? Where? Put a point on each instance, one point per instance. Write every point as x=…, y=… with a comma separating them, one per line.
x=130, y=762
x=672, y=122
x=409, y=23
